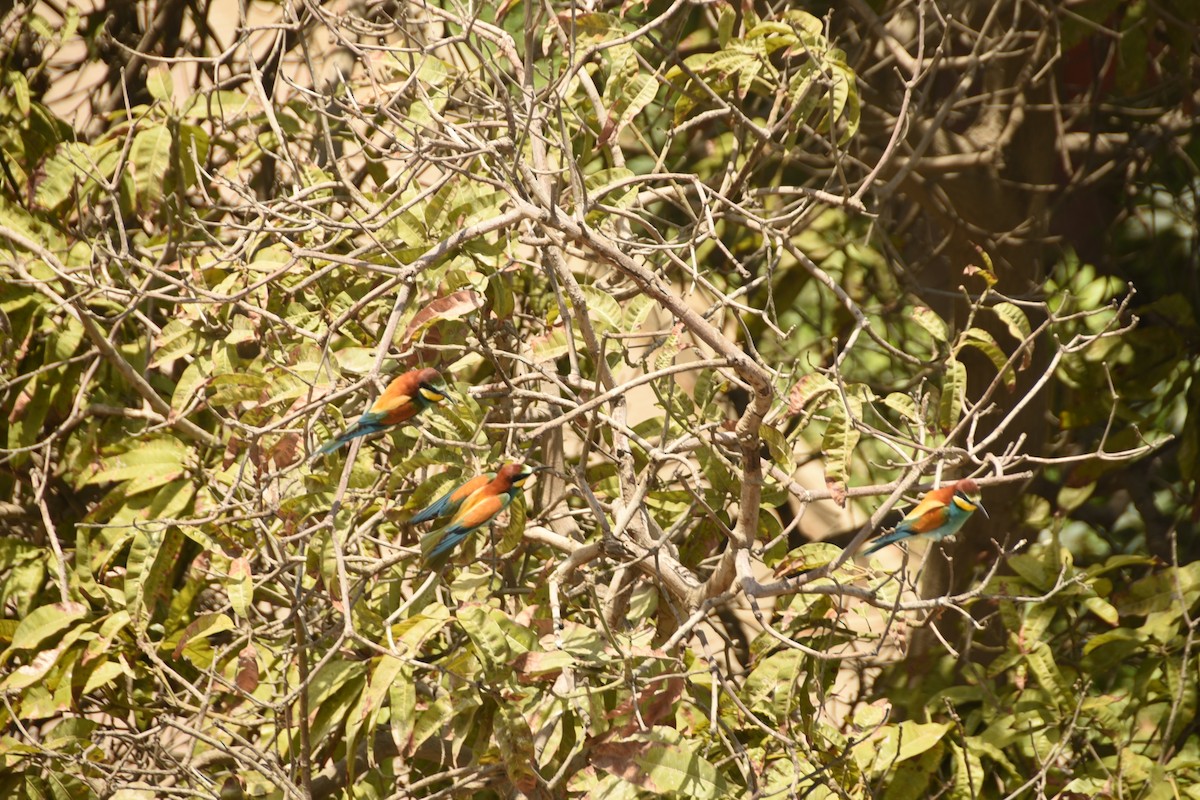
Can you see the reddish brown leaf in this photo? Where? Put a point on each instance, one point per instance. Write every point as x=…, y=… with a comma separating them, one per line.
x=660, y=705
x=18, y=409
x=232, y=450
x=247, y=674
x=452, y=306
x=286, y=451
x=807, y=389
x=534, y=666
x=205, y=623
x=654, y=706
x=620, y=759
x=837, y=492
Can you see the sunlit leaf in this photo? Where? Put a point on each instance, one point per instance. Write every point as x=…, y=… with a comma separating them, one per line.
x=159, y=83
x=147, y=465
x=240, y=585
x=452, y=306
x=1015, y=319
x=954, y=390
x=151, y=157
x=982, y=341
x=807, y=389
x=46, y=621
x=841, y=438
x=931, y=322
x=660, y=761
x=908, y=740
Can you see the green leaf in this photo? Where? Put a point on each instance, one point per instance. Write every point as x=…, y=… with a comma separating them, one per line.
x=808, y=556
x=149, y=570
x=178, y=338
x=356, y=360
x=552, y=345
x=514, y=532
x=487, y=637
x=954, y=390
x=104, y=674
x=20, y=87
x=63, y=171
x=968, y=773
x=193, y=380
x=151, y=157
x=635, y=312
x=1102, y=609
x=194, y=144
x=64, y=340
x=240, y=586
x=203, y=627
x=1033, y=570
x=431, y=721
x=147, y=465
x=779, y=447
x=635, y=94
x=46, y=621
x=159, y=83
x=908, y=740
x=416, y=630
x=514, y=740
x=387, y=670
x=1041, y=663
x=33, y=672
x=109, y=631
x=237, y=387
x=402, y=702
x=773, y=676
x=841, y=437
x=1162, y=590
x=904, y=405
x=602, y=308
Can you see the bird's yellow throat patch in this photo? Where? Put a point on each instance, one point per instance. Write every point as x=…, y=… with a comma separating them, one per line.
x=432, y=395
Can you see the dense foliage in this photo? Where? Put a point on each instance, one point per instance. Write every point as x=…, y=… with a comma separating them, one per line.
x=745, y=277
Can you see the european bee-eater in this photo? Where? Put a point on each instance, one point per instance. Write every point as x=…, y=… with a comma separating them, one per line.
x=404, y=398
x=473, y=504
x=939, y=514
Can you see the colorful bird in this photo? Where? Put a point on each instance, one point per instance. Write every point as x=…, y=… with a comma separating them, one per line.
x=473, y=504
x=939, y=514
x=404, y=398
